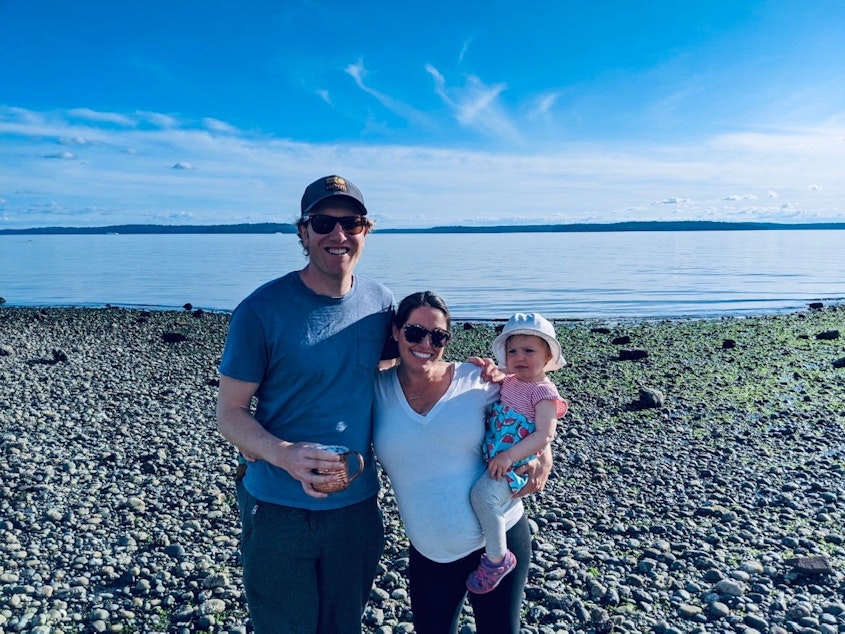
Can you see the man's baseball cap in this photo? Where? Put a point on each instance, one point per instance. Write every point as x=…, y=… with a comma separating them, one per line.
x=327, y=186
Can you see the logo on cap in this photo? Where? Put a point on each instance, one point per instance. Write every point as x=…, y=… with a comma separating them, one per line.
x=336, y=184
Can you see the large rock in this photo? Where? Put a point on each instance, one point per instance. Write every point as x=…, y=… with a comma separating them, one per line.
x=811, y=565
x=632, y=354
x=650, y=398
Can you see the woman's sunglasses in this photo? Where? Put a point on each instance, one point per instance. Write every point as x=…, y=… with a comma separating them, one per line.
x=351, y=225
x=414, y=333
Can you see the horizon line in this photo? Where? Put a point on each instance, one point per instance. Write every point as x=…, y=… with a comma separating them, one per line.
x=276, y=227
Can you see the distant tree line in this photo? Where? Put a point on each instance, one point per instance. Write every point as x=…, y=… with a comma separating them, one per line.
x=261, y=227
x=274, y=227
x=679, y=225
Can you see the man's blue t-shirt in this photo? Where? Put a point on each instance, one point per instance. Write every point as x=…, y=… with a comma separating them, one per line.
x=315, y=359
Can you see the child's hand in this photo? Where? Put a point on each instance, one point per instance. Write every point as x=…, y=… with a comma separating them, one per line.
x=499, y=465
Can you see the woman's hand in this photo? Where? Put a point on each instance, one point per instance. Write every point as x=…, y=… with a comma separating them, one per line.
x=538, y=473
x=490, y=372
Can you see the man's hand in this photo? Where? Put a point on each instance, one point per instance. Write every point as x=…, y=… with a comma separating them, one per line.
x=301, y=459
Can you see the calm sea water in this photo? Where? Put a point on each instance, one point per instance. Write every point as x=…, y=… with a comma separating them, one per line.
x=490, y=276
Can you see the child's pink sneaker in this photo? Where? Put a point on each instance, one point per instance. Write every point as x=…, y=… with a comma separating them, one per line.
x=488, y=575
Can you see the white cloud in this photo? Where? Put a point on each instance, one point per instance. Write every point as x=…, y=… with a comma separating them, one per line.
x=94, y=116
x=475, y=105
x=543, y=105
x=358, y=73
x=477, y=100
x=439, y=80
x=324, y=95
x=130, y=175
x=772, y=194
x=158, y=119
x=77, y=140
x=216, y=125
x=464, y=50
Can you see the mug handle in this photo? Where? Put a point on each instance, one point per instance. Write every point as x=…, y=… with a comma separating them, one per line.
x=360, y=464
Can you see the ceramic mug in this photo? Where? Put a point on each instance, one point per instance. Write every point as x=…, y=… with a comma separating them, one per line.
x=342, y=475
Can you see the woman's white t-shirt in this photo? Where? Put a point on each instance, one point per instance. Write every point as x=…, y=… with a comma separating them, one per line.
x=434, y=459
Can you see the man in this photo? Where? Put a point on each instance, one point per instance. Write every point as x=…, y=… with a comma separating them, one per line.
x=307, y=346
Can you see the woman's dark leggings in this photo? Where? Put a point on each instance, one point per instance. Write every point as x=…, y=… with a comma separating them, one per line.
x=438, y=590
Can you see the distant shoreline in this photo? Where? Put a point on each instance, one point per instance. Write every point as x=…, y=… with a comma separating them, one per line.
x=832, y=303
x=269, y=227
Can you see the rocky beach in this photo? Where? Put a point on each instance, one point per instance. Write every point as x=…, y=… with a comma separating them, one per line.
x=699, y=481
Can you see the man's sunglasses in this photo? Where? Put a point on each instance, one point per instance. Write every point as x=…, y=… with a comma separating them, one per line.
x=351, y=225
x=414, y=333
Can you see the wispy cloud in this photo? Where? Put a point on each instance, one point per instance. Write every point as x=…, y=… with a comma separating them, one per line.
x=358, y=73
x=157, y=119
x=60, y=170
x=464, y=50
x=542, y=106
x=216, y=125
x=324, y=95
x=86, y=114
x=475, y=105
x=77, y=140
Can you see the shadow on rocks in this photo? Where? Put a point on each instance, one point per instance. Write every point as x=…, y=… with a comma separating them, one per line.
x=59, y=356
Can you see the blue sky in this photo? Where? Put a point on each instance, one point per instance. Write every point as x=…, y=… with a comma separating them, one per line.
x=212, y=112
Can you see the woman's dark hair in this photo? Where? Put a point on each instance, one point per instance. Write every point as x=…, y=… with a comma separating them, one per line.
x=416, y=300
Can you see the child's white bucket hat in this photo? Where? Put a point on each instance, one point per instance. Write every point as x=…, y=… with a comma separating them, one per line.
x=529, y=324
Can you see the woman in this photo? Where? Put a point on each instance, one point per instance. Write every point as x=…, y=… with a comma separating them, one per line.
x=429, y=428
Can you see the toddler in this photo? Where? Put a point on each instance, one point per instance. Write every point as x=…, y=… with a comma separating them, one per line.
x=518, y=428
